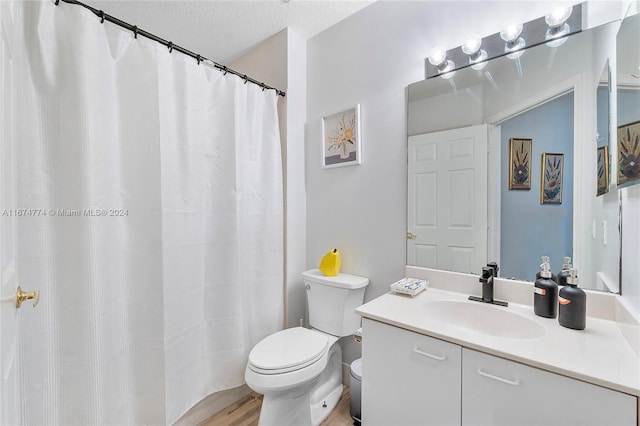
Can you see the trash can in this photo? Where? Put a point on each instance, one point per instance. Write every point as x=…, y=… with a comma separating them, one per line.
x=355, y=384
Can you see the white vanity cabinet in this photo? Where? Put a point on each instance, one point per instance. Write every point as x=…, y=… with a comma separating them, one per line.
x=412, y=379
x=497, y=392
x=408, y=378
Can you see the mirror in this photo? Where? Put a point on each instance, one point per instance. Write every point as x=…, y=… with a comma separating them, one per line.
x=603, y=107
x=627, y=106
x=469, y=204
x=628, y=72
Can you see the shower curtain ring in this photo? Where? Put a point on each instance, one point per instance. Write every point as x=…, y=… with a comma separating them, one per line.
x=224, y=68
x=170, y=46
x=101, y=14
x=199, y=59
x=57, y=2
x=135, y=31
x=245, y=78
x=263, y=86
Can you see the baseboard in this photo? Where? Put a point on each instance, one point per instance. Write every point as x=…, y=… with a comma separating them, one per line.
x=211, y=405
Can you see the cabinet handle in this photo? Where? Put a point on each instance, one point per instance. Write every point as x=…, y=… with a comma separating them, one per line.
x=428, y=355
x=515, y=382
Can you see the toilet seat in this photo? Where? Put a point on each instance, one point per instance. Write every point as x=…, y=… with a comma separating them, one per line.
x=288, y=350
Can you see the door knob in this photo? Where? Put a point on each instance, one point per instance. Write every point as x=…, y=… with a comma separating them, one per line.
x=21, y=296
x=411, y=235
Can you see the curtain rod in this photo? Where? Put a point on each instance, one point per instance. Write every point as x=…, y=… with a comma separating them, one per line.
x=137, y=31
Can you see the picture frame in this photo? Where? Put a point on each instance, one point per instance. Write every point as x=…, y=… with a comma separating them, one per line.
x=551, y=182
x=520, y=163
x=341, y=138
x=628, y=154
x=602, y=170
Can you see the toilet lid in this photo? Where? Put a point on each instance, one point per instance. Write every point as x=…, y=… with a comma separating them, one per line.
x=286, y=349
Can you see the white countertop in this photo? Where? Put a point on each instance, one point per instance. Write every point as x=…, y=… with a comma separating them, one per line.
x=599, y=354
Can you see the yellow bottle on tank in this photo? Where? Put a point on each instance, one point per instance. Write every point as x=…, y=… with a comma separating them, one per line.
x=330, y=263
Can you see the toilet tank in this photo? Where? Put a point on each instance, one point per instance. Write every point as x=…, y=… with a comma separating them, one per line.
x=333, y=300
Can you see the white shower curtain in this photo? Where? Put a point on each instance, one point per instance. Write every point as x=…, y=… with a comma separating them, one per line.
x=156, y=237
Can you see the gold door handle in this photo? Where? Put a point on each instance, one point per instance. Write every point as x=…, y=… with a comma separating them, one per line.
x=411, y=235
x=21, y=296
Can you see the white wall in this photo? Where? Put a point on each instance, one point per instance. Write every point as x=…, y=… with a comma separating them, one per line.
x=280, y=61
x=296, y=197
x=370, y=58
x=630, y=276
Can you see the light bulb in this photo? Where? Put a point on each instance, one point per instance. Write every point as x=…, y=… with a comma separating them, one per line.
x=472, y=44
x=511, y=32
x=480, y=65
x=515, y=55
x=558, y=28
x=446, y=66
x=558, y=17
x=556, y=40
x=438, y=56
x=479, y=60
x=449, y=75
x=515, y=46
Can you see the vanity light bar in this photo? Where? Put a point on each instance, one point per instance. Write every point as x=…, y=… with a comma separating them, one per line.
x=533, y=33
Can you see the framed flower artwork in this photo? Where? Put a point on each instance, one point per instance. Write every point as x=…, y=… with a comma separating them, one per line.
x=341, y=141
x=551, y=182
x=628, y=154
x=602, y=169
x=520, y=163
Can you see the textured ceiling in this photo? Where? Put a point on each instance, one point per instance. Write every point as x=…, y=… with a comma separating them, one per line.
x=223, y=30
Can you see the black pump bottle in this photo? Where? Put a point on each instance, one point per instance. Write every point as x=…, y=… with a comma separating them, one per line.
x=573, y=304
x=545, y=294
x=566, y=268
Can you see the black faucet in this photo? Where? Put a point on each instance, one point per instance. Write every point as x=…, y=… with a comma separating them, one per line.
x=488, y=273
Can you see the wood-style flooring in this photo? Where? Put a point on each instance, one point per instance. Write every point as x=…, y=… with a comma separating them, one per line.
x=247, y=411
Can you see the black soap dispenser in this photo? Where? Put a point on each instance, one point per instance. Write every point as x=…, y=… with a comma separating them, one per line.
x=566, y=268
x=545, y=293
x=573, y=304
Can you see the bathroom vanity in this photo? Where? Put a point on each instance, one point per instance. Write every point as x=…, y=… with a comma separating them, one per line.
x=440, y=359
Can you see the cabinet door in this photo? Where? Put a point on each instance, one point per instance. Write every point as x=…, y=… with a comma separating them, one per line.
x=408, y=378
x=500, y=392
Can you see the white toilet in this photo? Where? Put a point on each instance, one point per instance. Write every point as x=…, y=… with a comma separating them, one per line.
x=299, y=370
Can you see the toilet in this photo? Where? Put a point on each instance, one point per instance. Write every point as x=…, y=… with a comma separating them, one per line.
x=299, y=370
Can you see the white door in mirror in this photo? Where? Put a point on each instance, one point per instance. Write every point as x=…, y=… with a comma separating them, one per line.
x=446, y=198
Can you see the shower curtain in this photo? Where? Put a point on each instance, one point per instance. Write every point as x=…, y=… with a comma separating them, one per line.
x=156, y=226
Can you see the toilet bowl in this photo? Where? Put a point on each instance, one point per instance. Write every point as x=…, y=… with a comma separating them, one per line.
x=299, y=370
x=305, y=386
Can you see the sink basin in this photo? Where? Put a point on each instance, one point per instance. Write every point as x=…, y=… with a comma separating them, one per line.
x=484, y=318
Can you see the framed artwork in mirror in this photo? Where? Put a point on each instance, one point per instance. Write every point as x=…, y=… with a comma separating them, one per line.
x=551, y=182
x=520, y=163
x=341, y=138
x=628, y=154
x=602, y=170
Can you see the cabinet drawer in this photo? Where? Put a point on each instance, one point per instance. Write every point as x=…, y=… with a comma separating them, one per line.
x=501, y=392
x=408, y=378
